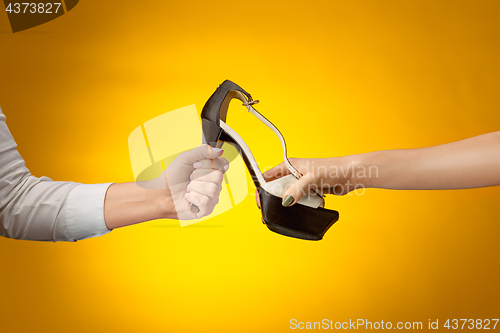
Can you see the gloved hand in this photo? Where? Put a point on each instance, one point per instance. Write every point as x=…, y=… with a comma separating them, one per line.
x=195, y=178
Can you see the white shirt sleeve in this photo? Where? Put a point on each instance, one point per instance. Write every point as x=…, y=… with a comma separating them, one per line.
x=40, y=209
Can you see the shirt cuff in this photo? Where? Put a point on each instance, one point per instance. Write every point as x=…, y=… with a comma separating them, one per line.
x=85, y=211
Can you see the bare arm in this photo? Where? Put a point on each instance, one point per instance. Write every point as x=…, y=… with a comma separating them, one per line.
x=127, y=203
x=194, y=177
x=469, y=163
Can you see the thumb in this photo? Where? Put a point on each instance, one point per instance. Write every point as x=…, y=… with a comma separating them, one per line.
x=204, y=152
x=295, y=192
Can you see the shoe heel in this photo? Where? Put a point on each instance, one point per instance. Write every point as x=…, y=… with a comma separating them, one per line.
x=211, y=133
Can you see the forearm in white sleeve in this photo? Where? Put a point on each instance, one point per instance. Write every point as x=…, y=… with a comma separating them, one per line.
x=40, y=209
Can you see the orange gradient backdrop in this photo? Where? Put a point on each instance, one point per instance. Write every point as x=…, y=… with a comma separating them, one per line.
x=337, y=78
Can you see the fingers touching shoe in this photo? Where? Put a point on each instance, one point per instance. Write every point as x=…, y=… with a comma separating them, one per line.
x=326, y=175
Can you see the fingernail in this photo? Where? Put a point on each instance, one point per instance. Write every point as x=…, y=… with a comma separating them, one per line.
x=217, y=150
x=191, y=176
x=288, y=200
x=187, y=188
x=186, y=196
x=196, y=165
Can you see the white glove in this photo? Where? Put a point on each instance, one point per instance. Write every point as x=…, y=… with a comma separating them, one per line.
x=195, y=178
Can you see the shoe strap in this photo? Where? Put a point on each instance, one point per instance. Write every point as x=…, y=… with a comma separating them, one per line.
x=248, y=102
x=276, y=131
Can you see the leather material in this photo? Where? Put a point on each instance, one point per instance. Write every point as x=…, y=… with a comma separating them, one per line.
x=298, y=221
x=213, y=110
x=211, y=132
x=295, y=221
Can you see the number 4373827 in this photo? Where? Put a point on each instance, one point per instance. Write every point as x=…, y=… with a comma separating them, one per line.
x=27, y=7
x=485, y=324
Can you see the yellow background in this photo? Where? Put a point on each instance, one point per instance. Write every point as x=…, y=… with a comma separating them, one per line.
x=337, y=78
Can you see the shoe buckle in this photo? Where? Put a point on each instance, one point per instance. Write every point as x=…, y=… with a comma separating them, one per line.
x=251, y=102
